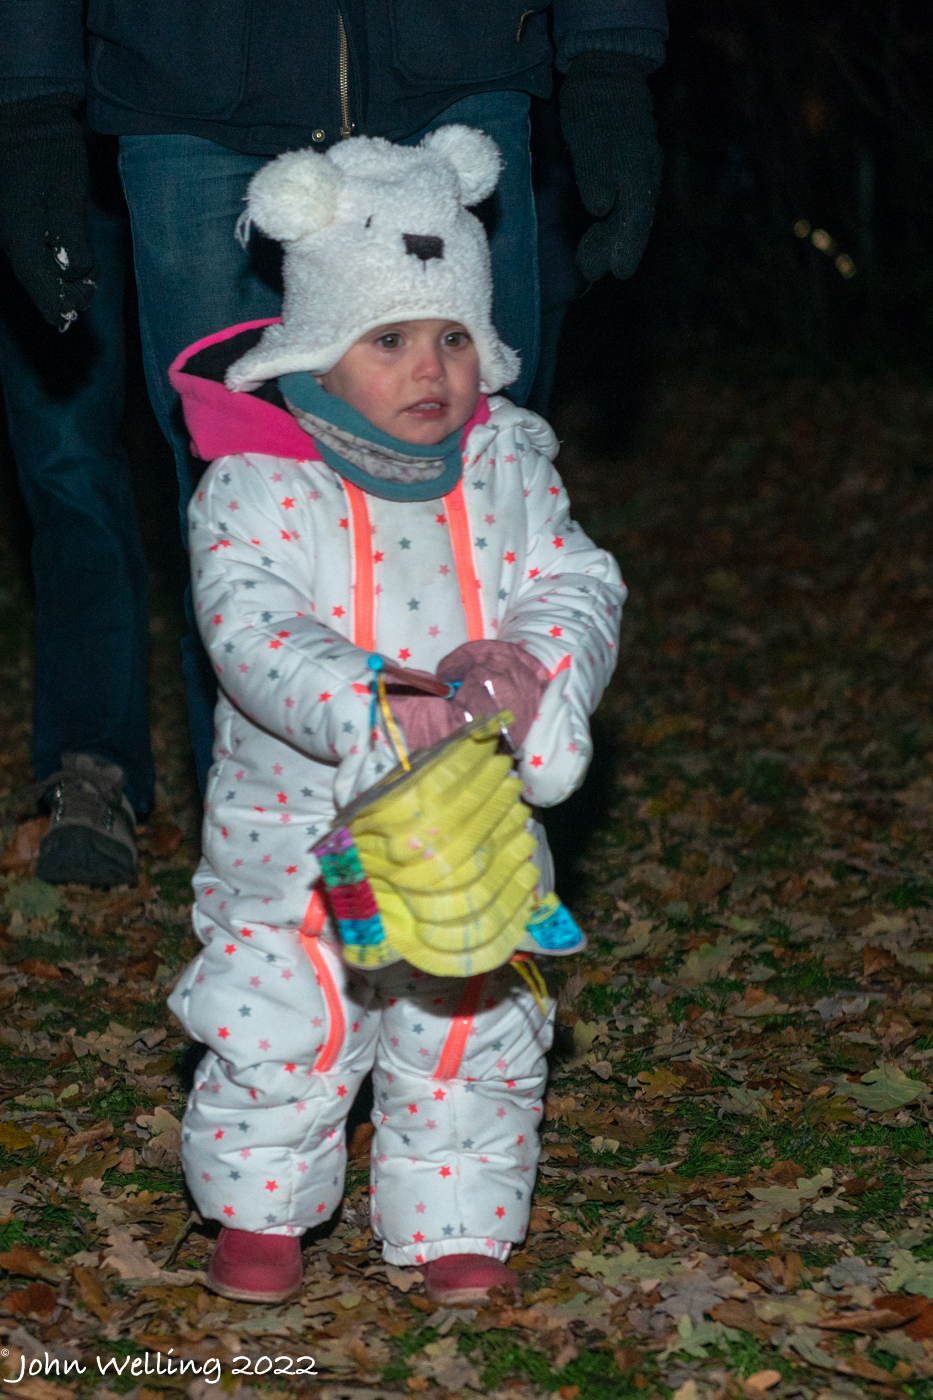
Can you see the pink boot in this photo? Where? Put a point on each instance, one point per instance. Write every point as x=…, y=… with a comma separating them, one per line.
x=255, y=1268
x=465, y=1278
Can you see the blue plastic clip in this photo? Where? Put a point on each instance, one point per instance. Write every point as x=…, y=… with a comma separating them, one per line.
x=375, y=664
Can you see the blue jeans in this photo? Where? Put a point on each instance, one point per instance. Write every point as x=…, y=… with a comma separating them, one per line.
x=185, y=195
x=64, y=405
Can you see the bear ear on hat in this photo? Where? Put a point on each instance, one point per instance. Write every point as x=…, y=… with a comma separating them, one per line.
x=474, y=156
x=293, y=195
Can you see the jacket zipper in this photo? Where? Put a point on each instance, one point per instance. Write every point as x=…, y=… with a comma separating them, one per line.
x=345, y=128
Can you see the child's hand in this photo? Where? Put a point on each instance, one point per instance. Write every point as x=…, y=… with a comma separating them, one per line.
x=425, y=719
x=497, y=676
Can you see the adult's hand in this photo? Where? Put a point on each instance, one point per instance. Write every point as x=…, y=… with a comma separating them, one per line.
x=607, y=120
x=43, y=205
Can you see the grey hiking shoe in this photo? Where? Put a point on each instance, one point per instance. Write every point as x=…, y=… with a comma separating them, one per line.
x=91, y=838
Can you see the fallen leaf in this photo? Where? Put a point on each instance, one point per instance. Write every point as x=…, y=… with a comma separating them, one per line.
x=660, y=1083
x=403, y=1279
x=863, y=1368
x=876, y=1319
x=34, y=899
x=707, y=963
x=756, y=1002
x=35, y=967
x=793, y=1309
x=695, y=1340
x=14, y=1139
x=884, y=1088
x=750, y=1103
x=23, y=849
x=359, y=1144
x=128, y=1257
x=584, y=1034
x=759, y=1383
x=38, y=1301
x=639, y=937
x=94, y=1296
x=164, y=839
x=805, y=1341
x=164, y=1146
x=87, y=1137
x=910, y=1274
x=22, y=1259
x=630, y=1264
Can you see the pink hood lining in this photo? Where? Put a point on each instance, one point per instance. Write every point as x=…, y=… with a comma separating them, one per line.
x=222, y=423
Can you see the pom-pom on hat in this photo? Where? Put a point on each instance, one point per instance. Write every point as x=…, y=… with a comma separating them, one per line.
x=373, y=233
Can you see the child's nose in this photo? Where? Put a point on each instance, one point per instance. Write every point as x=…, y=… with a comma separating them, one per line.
x=431, y=364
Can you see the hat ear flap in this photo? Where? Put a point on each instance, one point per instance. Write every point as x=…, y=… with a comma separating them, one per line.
x=293, y=195
x=474, y=156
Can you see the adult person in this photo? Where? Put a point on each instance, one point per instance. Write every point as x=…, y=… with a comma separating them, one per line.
x=63, y=396
x=201, y=95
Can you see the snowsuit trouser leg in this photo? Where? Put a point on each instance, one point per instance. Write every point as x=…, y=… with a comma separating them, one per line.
x=289, y=1043
x=459, y=1079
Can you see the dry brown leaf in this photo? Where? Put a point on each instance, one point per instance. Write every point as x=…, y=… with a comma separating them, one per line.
x=164, y=839
x=23, y=849
x=759, y=1383
x=360, y=1142
x=863, y=1320
x=27, y=1262
x=863, y=1368
x=44, y=971
x=164, y=1146
x=128, y=1257
x=94, y=1296
x=562, y=1152
x=38, y=1301
x=88, y=1136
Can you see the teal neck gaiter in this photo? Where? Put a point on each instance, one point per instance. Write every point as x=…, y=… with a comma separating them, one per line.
x=366, y=456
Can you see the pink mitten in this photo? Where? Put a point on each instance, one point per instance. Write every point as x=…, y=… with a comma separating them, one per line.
x=425, y=718
x=516, y=681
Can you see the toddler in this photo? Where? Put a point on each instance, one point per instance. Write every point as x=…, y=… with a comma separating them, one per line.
x=369, y=495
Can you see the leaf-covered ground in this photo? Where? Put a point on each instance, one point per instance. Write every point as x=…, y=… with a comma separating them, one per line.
x=737, y=1159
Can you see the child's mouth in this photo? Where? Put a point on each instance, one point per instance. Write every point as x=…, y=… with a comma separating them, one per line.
x=428, y=409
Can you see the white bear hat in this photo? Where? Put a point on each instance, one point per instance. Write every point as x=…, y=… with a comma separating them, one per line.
x=373, y=233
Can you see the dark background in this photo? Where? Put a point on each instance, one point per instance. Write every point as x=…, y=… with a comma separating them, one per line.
x=774, y=113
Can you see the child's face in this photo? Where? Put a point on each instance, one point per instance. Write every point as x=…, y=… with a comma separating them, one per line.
x=417, y=380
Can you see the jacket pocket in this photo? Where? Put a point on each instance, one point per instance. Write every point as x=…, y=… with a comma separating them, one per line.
x=185, y=58
x=457, y=42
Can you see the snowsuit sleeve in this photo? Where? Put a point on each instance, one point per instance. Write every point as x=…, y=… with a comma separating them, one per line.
x=567, y=612
x=252, y=562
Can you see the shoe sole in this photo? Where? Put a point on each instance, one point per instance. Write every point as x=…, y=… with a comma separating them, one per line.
x=253, y=1295
x=452, y=1297
x=78, y=855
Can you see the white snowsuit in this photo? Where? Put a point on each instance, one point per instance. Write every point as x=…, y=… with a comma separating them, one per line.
x=298, y=576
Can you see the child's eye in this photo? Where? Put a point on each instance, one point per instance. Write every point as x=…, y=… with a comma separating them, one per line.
x=456, y=338
x=390, y=341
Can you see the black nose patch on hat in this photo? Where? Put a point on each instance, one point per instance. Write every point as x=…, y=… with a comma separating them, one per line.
x=424, y=246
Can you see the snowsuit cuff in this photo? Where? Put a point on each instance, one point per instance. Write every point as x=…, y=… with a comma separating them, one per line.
x=415, y=1254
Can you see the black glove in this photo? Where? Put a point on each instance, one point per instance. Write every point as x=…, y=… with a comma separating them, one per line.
x=607, y=120
x=43, y=205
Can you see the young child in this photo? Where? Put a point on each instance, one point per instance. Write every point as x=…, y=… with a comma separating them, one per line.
x=368, y=496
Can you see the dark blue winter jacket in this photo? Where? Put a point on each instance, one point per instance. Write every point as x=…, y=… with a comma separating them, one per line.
x=265, y=76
